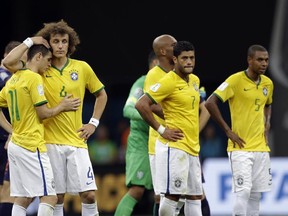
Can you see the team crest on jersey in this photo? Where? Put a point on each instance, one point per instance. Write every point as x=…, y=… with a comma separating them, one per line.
x=240, y=180
x=178, y=182
x=155, y=87
x=53, y=184
x=265, y=91
x=140, y=174
x=74, y=75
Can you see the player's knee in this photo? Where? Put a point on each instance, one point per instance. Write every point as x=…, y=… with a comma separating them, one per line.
x=60, y=198
x=194, y=197
x=88, y=197
x=51, y=200
x=256, y=196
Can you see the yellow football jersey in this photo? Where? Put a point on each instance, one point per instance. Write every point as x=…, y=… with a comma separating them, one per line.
x=74, y=78
x=246, y=101
x=153, y=75
x=180, y=103
x=22, y=92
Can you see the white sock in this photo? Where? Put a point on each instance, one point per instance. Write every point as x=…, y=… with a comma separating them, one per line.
x=161, y=197
x=18, y=210
x=167, y=207
x=180, y=204
x=59, y=210
x=90, y=209
x=45, y=209
x=253, y=206
x=193, y=207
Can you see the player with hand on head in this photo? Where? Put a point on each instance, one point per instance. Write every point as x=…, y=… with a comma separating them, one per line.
x=31, y=173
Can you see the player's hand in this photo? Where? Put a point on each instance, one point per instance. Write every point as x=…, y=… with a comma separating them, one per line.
x=7, y=141
x=235, y=139
x=172, y=134
x=86, y=131
x=40, y=40
x=70, y=104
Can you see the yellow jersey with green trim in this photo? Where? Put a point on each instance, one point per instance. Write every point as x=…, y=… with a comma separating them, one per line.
x=153, y=75
x=22, y=92
x=75, y=77
x=246, y=101
x=180, y=103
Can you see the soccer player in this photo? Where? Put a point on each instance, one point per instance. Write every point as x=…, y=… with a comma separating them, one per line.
x=178, y=169
x=30, y=169
x=6, y=202
x=66, y=135
x=163, y=49
x=249, y=94
x=138, y=174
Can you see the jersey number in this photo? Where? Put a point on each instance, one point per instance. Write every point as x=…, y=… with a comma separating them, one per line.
x=63, y=93
x=14, y=106
x=257, y=104
x=193, y=101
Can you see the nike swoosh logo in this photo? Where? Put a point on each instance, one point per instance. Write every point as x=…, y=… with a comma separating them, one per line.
x=180, y=88
x=48, y=76
x=88, y=183
x=247, y=89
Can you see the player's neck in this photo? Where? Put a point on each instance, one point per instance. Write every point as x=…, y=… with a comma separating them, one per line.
x=254, y=77
x=59, y=63
x=165, y=64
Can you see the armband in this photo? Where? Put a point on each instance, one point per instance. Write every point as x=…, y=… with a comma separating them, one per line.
x=94, y=122
x=28, y=42
x=161, y=129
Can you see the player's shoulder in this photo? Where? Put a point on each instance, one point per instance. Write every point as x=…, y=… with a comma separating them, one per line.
x=266, y=79
x=194, y=77
x=237, y=75
x=155, y=71
x=140, y=79
x=77, y=62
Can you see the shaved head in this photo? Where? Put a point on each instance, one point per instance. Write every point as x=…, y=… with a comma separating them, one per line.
x=163, y=42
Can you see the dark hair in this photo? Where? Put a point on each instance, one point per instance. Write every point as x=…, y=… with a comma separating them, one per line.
x=10, y=46
x=182, y=46
x=252, y=50
x=33, y=50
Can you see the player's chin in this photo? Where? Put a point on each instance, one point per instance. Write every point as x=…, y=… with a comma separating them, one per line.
x=189, y=70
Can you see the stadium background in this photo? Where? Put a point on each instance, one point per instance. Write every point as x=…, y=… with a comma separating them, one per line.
x=116, y=38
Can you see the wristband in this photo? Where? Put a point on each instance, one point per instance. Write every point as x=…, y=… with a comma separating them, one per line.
x=94, y=122
x=28, y=42
x=161, y=129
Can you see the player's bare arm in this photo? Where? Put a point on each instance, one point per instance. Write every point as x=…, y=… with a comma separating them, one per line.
x=212, y=106
x=143, y=106
x=88, y=129
x=67, y=104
